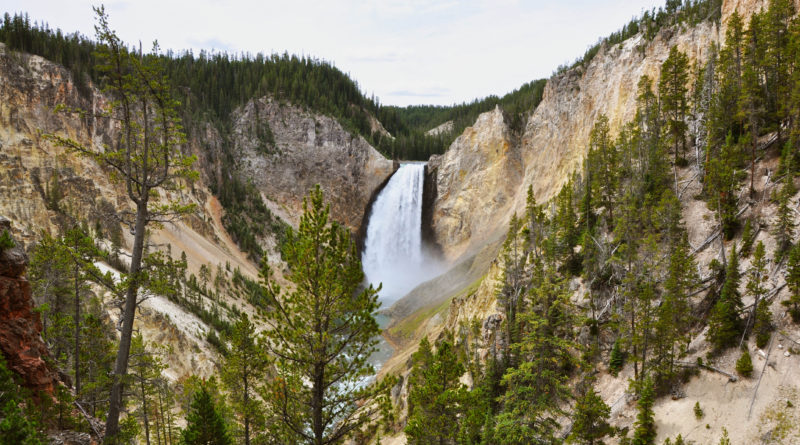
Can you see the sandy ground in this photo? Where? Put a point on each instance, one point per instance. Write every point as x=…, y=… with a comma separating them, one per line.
x=728, y=404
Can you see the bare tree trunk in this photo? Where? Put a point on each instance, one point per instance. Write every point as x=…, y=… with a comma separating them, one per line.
x=128, y=314
x=753, y=164
x=316, y=403
x=246, y=409
x=77, y=332
x=144, y=413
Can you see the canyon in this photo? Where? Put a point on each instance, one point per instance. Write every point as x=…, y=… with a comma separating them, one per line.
x=468, y=197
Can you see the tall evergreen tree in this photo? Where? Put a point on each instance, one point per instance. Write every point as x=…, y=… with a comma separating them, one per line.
x=513, y=284
x=97, y=359
x=436, y=398
x=755, y=283
x=145, y=370
x=590, y=419
x=793, y=282
x=784, y=219
x=645, y=426
x=537, y=388
x=752, y=100
x=321, y=335
x=722, y=184
x=603, y=172
x=204, y=424
x=778, y=63
x=244, y=367
x=146, y=158
x=724, y=325
x=673, y=317
x=724, y=111
x=673, y=90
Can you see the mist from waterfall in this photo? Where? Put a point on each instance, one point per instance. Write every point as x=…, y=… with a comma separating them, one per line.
x=393, y=250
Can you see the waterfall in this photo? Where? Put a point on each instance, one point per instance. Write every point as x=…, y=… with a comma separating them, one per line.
x=393, y=252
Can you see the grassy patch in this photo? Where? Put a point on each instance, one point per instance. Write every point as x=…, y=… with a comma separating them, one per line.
x=404, y=330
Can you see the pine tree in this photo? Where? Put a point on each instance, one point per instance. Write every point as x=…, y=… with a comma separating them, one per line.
x=145, y=370
x=724, y=325
x=146, y=158
x=590, y=419
x=49, y=275
x=724, y=113
x=784, y=224
x=321, y=335
x=617, y=359
x=673, y=314
x=436, y=398
x=603, y=171
x=513, y=284
x=793, y=282
x=722, y=184
x=204, y=424
x=672, y=88
x=763, y=324
x=537, y=388
x=638, y=316
x=752, y=100
x=245, y=365
x=777, y=60
x=755, y=284
x=566, y=227
x=79, y=247
x=97, y=359
x=645, y=426
x=744, y=366
x=748, y=237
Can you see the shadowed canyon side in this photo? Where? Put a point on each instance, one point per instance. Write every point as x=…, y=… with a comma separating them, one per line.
x=307, y=149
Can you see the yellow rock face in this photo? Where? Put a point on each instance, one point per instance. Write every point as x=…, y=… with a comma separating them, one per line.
x=483, y=178
x=310, y=149
x=475, y=180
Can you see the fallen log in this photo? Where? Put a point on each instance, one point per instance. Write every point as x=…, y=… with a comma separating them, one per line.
x=730, y=376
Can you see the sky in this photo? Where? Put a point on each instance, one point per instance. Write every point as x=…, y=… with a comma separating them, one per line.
x=404, y=52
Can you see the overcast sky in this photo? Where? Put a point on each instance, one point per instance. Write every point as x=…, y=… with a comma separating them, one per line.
x=405, y=52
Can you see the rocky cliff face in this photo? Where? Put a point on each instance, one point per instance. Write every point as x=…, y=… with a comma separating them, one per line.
x=20, y=327
x=307, y=149
x=476, y=180
x=483, y=178
x=41, y=183
x=552, y=146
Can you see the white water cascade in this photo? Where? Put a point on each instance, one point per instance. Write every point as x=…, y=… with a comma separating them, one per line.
x=393, y=252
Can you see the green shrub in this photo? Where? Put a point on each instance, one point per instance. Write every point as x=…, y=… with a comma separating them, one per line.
x=5, y=241
x=617, y=359
x=763, y=324
x=698, y=412
x=747, y=239
x=744, y=366
x=18, y=424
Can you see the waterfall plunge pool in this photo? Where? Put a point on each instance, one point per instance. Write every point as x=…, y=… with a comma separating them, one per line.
x=394, y=255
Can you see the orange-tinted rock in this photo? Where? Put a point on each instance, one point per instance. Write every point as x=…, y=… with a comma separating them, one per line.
x=20, y=327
